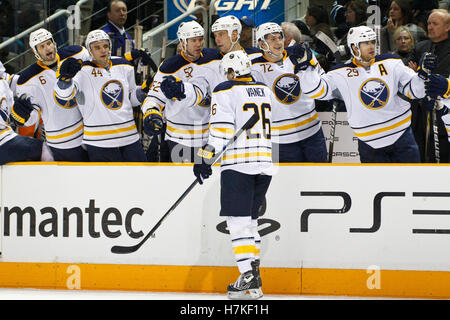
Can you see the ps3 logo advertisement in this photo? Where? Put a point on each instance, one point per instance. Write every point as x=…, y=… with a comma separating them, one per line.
x=377, y=212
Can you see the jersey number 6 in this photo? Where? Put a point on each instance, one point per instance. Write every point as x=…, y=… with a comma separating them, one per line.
x=265, y=123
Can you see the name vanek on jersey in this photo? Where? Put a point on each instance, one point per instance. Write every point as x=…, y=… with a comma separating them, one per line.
x=232, y=105
x=294, y=114
x=62, y=120
x=187, y=120
x=105, y=99
x=375, y=111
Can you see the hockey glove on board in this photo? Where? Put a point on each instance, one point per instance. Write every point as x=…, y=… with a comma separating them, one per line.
x=173, y=88
x=203, y=170
x=152, y=122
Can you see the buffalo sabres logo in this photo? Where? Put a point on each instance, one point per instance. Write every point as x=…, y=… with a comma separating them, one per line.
x=69, y=104
x=287, y=88
x=374, y=93
x=112, y=94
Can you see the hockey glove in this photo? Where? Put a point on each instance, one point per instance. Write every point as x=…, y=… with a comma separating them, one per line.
x=152, y=122
x=20, y=111
x=437, y=86
x=427, y=63
x=203, y=170
x=69, y=69
x=146, y=84
x=173, y=88
x=302, y=57
x=146, y=59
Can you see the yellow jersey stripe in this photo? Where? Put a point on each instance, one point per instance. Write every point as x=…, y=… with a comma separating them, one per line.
x=67, y=134
x=395, y=125
x=295, y=125
x=244, y=249
x=183, y=131
x=319, y=94
x=247, y=155
x=105, y=132
x=5, y=130
x=224, y=130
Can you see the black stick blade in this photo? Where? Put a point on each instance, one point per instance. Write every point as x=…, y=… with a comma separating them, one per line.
x=124, y=250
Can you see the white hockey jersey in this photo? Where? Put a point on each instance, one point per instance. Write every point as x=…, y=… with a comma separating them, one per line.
x=6, y=102
x=232, y=105
x=375, y=111
x=62, y=120
x=105, y=98
x=294, y=115
x=187, y=120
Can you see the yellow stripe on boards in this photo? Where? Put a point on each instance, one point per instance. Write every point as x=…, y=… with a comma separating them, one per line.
x=209, y=279
x=296, y=125
x=64, y=135
x=369, y=133
x=104, y=132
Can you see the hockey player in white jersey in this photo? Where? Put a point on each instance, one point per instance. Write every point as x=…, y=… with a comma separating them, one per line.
x=246, y=166
x=10, y=78
x=297, y=130
x=61, y=119
x=105, y=90
x=14, y=147
x=187, y=128
x=370, y=86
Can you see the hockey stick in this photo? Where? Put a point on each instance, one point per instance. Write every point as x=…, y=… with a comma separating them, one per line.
x=129, y=249
x=435, y=134
x=332, y=132
x=330, y=44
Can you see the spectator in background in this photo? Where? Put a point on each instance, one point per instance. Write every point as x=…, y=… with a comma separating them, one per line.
x=439, y=44
x=338, y=20
x=292, y=34
x=117, y=16
x=317, y=19
x=400, y=14
x=421, y=10
x=404, y=44
x=303, y=27
x=246, y=39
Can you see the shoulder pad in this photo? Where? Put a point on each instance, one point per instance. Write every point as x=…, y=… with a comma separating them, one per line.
x=69, y=51
x=173, y=64
x=252, y=50
x=29, y=73
x=385, y=56
x=342, y=65
x=118, y=60
x=224, y=86
x=259, y=60
x=208, y=55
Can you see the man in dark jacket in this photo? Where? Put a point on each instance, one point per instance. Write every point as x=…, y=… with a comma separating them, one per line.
x=422, y=125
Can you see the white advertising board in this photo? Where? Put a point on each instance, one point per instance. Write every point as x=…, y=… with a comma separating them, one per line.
x=324, y=216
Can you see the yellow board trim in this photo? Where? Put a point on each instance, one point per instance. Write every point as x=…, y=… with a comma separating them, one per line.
x=104, y=132
x=395, y=125
x=294, y=281
x=295, y=125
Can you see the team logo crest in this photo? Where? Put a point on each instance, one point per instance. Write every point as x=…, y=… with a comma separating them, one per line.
x=287, y=88
x=374, y=93
x=65, y=104
x=112, y=94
